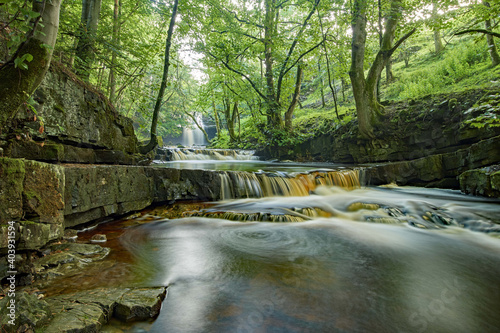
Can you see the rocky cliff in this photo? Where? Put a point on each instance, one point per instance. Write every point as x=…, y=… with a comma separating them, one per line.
x=427, y=142
x=69, y=121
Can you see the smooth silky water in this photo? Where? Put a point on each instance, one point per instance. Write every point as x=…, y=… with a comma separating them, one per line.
x=325, y=258
x=354, y=259
x=387, y=260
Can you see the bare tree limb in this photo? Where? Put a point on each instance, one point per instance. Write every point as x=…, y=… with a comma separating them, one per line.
x=401, y=41
x=301, y=56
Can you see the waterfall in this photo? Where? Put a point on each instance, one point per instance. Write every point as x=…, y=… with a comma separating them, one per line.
x=184, y=154
x=242, y=184
x=193, y=136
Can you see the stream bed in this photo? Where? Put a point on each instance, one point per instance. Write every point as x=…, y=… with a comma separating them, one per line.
x=352, y=259
x=405, y=260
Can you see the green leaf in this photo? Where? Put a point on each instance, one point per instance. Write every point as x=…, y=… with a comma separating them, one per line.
x=33, y=14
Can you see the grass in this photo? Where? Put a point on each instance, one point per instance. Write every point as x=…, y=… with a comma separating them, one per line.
x=462, y=65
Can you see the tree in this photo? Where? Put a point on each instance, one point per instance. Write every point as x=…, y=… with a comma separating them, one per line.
x=278, y=38
x=365, y=89
x=492, y=49
x=153, y=142
x=23, y=73
x=295, y=98
x=86, y=37
x=438, y=43
x=484, y=13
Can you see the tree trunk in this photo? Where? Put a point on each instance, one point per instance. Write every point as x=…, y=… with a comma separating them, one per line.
x=364, y=102
x=330, y=79
x=438, y=44
x=295, y=99
x=321, y=85
x=198, y=125
x=88, y=29
x=389, y=77
x=116, y=43
x=16, y=84
x=365, y=90
x=216, y=117
x=230, y=119
x=492, y=48
x=153, y=142
x=273, y=109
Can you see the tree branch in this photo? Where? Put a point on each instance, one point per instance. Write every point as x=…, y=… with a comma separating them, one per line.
x=301, y=56
x=483, y=31
x=283, y=70
x=239, y=73
x=237, y=32
x=400, y=41
x=242, y=20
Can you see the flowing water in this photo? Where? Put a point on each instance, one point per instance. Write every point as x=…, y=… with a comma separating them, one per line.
x=365, y=260
x=329, y=255
x=337, y=258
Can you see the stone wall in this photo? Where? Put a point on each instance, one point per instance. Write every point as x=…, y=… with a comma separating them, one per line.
x=45, y=198
x=440, y=170
x=71, y=123
x=33, y=194
x=411, y=130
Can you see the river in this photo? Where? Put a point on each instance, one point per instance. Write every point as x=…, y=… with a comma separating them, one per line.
x=352, y=259
x=368, y=259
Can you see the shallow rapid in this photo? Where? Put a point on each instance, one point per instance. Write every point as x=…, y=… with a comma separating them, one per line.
x=362, y=260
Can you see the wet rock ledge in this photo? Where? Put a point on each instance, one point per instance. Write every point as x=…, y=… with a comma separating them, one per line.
x=44, y=199
x=85, y=311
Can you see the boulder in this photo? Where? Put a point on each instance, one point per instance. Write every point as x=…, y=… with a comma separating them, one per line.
x=483, y=181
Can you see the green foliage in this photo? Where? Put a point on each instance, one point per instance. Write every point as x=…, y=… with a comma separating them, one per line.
x=438, y=74
x=223, y=141
x=21, y=62
x=488, y=119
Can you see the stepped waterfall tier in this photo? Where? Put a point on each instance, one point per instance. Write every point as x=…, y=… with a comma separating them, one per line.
x=256, y=185
x=180, y=154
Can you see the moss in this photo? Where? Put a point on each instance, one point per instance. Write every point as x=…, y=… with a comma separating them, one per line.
x=452, y=103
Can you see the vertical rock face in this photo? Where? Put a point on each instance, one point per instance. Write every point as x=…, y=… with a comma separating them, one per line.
x=33, y=194
x=75, y=124
x=93, y=192
x=76, y=115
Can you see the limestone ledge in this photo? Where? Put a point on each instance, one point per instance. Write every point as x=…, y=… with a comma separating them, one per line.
x=45, y=198
x=86, y=311
x=440, y=170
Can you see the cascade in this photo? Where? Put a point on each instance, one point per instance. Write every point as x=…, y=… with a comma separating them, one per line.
x=193, y=136
x=242, y=184
x=184, y=154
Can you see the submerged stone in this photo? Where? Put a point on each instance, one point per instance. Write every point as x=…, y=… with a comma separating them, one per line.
x=98, y=238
